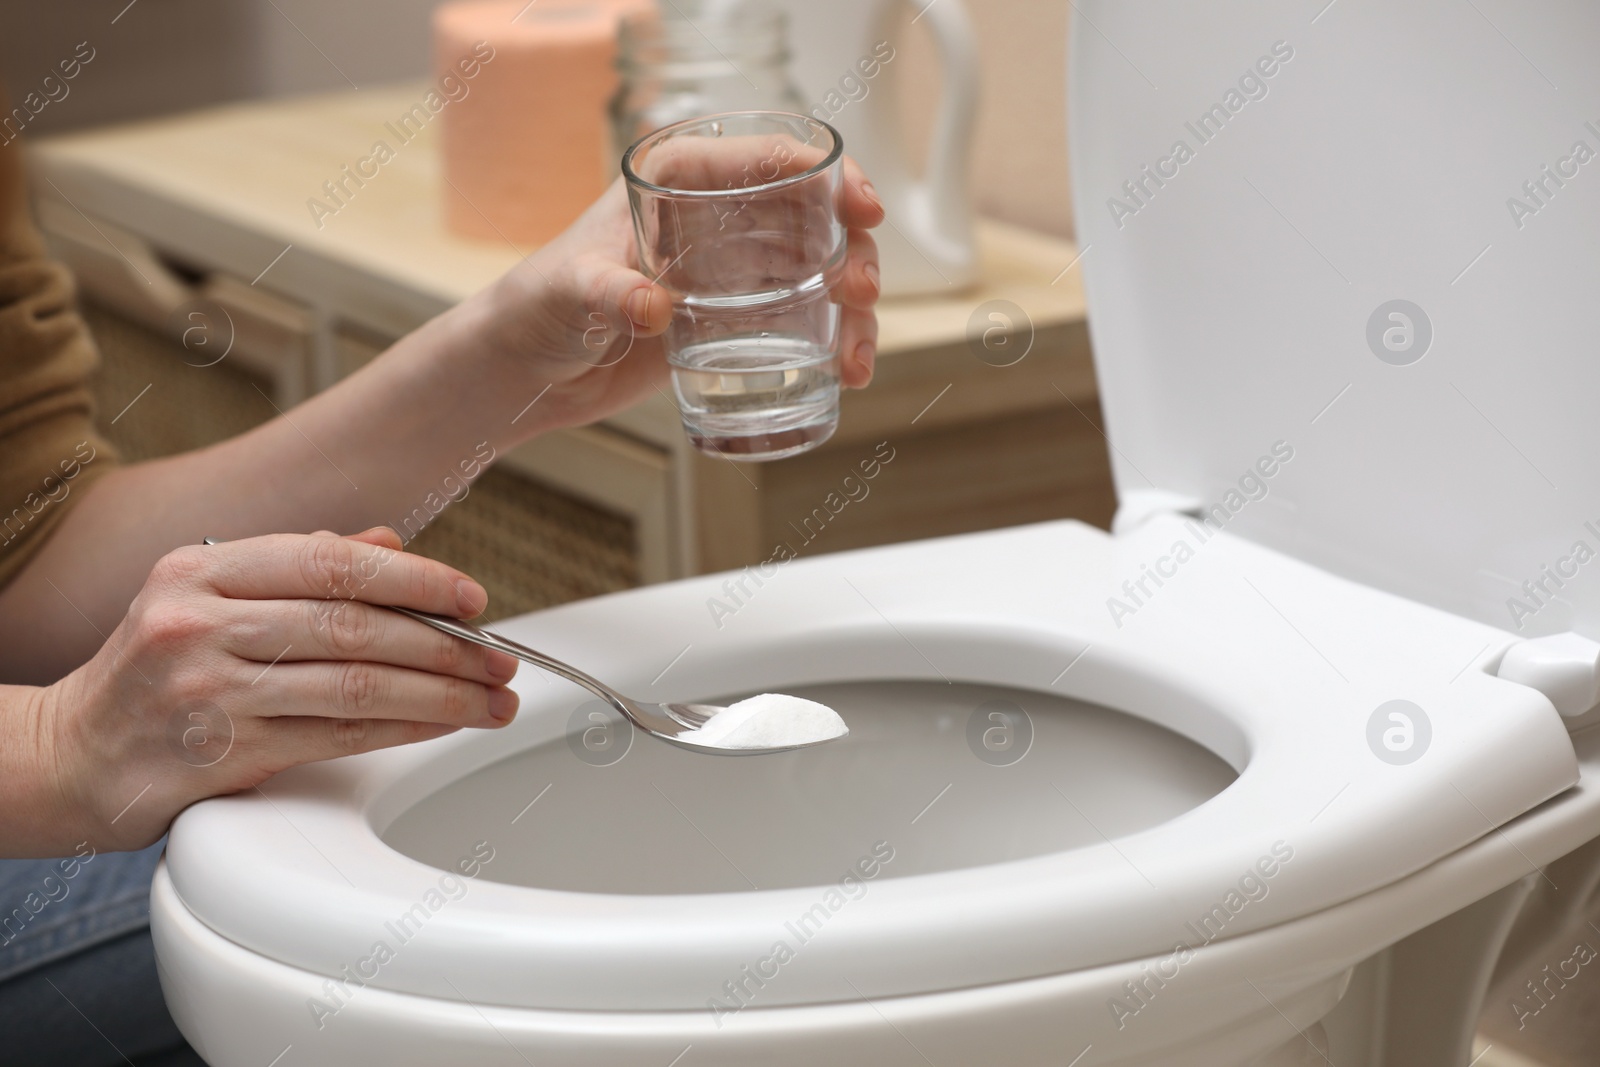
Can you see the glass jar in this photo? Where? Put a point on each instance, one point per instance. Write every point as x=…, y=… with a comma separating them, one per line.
x=696, y=59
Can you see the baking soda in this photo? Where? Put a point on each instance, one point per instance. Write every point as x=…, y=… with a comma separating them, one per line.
x=771, y=720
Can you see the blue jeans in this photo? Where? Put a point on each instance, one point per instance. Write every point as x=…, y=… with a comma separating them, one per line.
x=77, y=970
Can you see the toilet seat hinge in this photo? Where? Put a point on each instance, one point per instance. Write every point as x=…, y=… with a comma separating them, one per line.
x=1565, y=667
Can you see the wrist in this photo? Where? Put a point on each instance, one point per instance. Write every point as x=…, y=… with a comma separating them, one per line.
x=482, y=353
x=43, y=807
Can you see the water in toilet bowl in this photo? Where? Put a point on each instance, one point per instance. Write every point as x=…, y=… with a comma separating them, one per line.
x=948, y=776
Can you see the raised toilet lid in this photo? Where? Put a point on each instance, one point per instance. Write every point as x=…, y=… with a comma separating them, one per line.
x=1275, y=667
x=1374, y=242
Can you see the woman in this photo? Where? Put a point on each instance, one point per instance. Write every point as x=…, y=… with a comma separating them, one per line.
x=124, y=636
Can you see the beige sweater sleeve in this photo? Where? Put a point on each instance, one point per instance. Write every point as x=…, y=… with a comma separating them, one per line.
x=49, y=451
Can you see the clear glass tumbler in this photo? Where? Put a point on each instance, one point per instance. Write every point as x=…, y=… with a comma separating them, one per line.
x=737, y=216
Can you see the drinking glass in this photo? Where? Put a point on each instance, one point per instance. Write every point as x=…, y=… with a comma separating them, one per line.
x=737, y=216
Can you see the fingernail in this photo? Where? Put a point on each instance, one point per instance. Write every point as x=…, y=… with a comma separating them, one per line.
x=871, y=194
x=864, y=351
x=471, y=598
x=502, y=705
x=499, y=666
x=871, y=271
x=639, y=307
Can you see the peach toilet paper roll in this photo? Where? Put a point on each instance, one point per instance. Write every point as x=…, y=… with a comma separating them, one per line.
x=529, y=148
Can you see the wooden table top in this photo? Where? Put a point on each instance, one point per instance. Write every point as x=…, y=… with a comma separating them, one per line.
x=227, y=188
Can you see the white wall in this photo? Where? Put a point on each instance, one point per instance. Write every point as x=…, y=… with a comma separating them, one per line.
x=162, y=56
x=367, y=40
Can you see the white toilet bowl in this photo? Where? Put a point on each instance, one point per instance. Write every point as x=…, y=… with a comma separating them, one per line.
x=1262, y=778
x=972, y=907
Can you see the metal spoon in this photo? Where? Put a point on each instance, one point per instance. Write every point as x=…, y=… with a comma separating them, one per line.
x=670, y=722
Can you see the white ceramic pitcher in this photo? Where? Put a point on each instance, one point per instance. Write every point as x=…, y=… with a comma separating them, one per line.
x=927, y=244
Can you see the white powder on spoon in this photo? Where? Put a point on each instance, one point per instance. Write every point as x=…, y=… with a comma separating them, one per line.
x=771, y=720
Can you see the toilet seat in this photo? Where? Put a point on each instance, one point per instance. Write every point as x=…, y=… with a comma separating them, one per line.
x=1273, y=664
x=1269, y=982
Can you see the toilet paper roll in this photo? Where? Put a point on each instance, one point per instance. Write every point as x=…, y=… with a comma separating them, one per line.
x=528, y=148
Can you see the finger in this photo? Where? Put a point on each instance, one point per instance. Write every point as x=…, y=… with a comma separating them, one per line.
x=294, y=740
x=648, y=306
x=301, y=631
x=608, y=289
x=356, y=690
x=382, y=536
x=740, y=162
x=858, y=347
x=861, y=208
x=859, y=285
x=294, y=567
